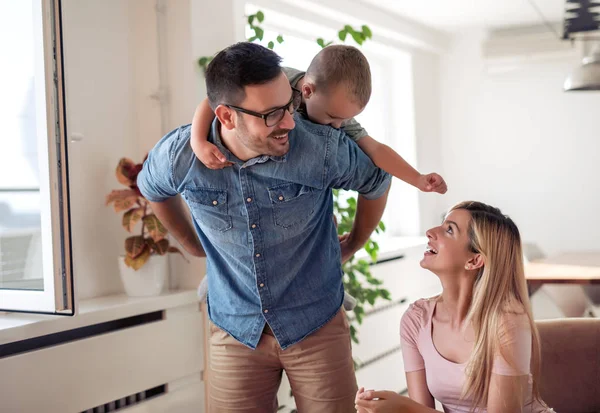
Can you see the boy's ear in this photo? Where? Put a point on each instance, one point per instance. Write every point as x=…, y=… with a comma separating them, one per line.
x=308, y=89
x=226, y=116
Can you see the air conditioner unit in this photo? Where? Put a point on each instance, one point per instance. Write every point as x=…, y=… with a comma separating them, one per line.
x=508, y=48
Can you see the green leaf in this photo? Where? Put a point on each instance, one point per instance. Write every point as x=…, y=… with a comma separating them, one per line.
x=327, y=44
x=382, y=226
x=271, y=45
x=251, y=19
x=260, y=16
x=321, y=42
x=202, y=61
x=358, y=37
x=348, y=28
x=253, y=38
x=259, y=32
x=367, y=32
x=280, y=39
x=342, y=35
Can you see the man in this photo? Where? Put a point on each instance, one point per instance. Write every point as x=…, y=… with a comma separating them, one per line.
x=265, y=225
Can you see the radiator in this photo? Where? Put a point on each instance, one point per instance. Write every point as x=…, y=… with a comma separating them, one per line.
x=150, y=362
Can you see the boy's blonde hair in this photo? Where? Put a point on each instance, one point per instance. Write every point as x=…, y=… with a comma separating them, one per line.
x=342, y=65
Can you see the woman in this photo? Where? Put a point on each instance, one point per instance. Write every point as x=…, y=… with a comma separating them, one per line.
x=475, y=347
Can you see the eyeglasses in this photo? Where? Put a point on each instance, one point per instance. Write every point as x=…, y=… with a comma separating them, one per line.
x=275, y=116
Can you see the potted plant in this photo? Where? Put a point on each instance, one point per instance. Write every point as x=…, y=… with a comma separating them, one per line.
x=144, y=267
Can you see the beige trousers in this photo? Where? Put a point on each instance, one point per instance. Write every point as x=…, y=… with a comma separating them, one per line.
x=320, y=370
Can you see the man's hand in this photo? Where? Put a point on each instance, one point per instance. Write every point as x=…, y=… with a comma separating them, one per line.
x=348, y=246
x=211, y=156
x=432, y=183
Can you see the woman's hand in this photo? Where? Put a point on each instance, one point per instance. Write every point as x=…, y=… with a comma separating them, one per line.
x=381, y=402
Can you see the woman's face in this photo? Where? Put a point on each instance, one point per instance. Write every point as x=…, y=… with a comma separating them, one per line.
x=448, y=249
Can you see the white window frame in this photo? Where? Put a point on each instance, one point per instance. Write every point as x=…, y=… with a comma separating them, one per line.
x=57, y=295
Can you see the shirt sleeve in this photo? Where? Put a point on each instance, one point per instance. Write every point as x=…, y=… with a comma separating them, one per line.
x=155, y=180
x=514, y=355
x=351, y=169
x=354, y=130
x=409, y=333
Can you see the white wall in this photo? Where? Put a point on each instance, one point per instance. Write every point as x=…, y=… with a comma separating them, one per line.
x=515, y=140
x=426, y=95
x=112, y=70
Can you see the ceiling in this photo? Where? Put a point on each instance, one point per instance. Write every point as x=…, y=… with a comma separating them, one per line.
x=451, y=15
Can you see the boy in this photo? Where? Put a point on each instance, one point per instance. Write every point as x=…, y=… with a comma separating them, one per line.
x=335, y=88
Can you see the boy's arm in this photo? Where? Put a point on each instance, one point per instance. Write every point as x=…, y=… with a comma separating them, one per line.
x=208, y=153
x=390, y=161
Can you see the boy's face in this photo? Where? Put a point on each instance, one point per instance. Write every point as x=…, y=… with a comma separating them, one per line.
x=329, y=107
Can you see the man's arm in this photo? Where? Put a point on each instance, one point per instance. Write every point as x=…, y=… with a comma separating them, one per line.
x=176, y=219
x=368, y=215
x=351, y=169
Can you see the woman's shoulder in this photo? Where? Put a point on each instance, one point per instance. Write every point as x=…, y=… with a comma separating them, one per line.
x=418, y=313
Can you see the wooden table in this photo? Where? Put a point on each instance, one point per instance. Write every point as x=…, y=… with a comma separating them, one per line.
x=566, y=268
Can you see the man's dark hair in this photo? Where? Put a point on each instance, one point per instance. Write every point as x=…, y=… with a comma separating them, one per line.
x=237, y=66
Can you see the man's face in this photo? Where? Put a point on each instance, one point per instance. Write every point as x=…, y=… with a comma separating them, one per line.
x=252, y=132
x=331, y=107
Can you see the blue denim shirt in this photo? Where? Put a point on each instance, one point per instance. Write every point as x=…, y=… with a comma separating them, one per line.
x=266, y=225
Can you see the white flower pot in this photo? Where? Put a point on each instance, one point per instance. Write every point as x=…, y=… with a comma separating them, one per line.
x=150, y=280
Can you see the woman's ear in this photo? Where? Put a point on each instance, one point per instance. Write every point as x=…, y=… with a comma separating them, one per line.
x=226, y=116
x=475, y=263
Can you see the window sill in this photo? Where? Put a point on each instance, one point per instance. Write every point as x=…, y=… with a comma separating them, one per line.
x=22, y=326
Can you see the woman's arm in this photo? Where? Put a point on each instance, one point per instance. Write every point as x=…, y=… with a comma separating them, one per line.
x=507, y=394
x=417, y=388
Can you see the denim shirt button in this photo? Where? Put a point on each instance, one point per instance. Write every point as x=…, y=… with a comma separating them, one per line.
x=261, y=285
x=280, y=197
x=257, y=255
x=266, y=311
x=215, y=202
x=248, y=199
x=253, y=226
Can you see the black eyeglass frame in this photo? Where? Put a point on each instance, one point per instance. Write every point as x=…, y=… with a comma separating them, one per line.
x=295, y=94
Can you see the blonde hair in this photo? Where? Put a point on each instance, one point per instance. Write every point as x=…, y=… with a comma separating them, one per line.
x=500, y=288
x=341, y=64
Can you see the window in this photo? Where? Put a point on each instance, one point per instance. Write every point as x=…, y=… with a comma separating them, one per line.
x=389, y=116
x=34, y=249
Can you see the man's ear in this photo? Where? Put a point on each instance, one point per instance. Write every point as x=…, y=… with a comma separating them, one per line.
x=226, y=116
x=308, y=90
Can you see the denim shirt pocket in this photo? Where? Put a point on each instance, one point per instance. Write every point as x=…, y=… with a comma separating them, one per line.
x=293, y=204
x=209, y=208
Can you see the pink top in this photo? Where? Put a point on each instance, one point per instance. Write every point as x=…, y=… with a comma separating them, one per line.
x=445, y=379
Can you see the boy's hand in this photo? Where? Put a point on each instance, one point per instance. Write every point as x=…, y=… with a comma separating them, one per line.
x=432, y=183
x=211, y=156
